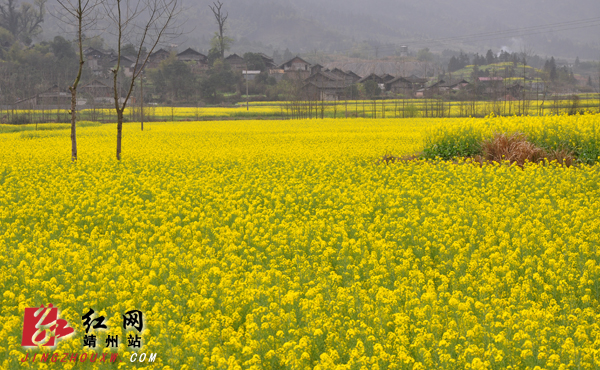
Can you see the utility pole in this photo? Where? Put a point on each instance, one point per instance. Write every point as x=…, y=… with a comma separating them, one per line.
x=247, y=99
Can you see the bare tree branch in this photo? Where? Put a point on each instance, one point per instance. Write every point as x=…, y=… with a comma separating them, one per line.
x=25, y=21
x=146, y=23
x=82, y=14
x=221, y=18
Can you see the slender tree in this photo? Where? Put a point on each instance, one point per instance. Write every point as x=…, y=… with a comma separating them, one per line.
x=144, y=24
x=82, y=13
x=598, y=86
x=221, y=17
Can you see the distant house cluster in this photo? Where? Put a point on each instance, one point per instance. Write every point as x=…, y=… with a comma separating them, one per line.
x=319, y=83
x=101, y=62
x=238, y=63
x=314, y=81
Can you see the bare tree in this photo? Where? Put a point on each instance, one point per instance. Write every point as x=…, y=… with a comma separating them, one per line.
x=221, y=17
x=598, y=91
x=25, y=21
x=83, y=14
x=144, y=24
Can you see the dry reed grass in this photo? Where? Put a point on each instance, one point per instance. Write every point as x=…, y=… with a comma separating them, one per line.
x=516, y=149
x=504, y=149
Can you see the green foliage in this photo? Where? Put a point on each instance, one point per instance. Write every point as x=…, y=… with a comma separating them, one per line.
x=95, y=42
x=221, y=46
x=371, y=89
x=62, y=49
x=466, y=140
x=22, y=19
x=6, y=40
x=265, y=79
x=448, y=144
x=219, y=79
x=213, y=56
x=32, y=70
x=585, y=147
x=411, y=111
x=131, y=50
x=254, y=62
x=173, y=79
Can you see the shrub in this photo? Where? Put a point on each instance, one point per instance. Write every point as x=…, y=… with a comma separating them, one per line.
x=447, y=144
x=566, y=139
x=411, y=111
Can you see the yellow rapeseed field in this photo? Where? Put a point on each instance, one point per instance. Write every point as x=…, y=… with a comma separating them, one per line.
x=281, y=244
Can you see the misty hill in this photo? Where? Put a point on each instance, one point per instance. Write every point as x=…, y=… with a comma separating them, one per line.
x=378, y=27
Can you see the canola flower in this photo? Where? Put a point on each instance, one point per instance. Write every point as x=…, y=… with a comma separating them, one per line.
x=280, y=244
x=388, y=108
x=579, y=134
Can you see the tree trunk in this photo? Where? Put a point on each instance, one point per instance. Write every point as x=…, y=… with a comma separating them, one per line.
x=142, y=101
x=119, y=132
x=73, y=125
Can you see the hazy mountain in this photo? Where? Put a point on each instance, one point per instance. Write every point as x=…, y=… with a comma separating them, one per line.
x=380, y=26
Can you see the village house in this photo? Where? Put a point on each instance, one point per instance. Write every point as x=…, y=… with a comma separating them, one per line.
x=399, y=85
x=417, y=82
x=296, y=69
x=372, y=77
x=191, y=55
x=324, y=76
x=269, y=62
x=197, y=60
x=386, y=77
x=100, y=91
x=325, y=84
x=54, y=97
x=489, y=85
x=277, y=74
x=453, y=86
x=126, y=64
x=98, y=61
x=431, y=90
x=155, y=58
x=442, y=87
x=354, y=76
x=376, y=78
x=295, y=64
x=346, y=76
x=315, y=68
x=236, y=62
x=325, y=90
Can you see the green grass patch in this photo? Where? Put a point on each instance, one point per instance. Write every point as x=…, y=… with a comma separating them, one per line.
x=578, y=135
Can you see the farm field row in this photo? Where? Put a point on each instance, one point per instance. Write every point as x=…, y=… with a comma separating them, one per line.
x=282, y=244
x=400, y=108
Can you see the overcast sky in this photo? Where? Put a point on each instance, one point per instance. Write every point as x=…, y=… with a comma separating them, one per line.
x=550, y=27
